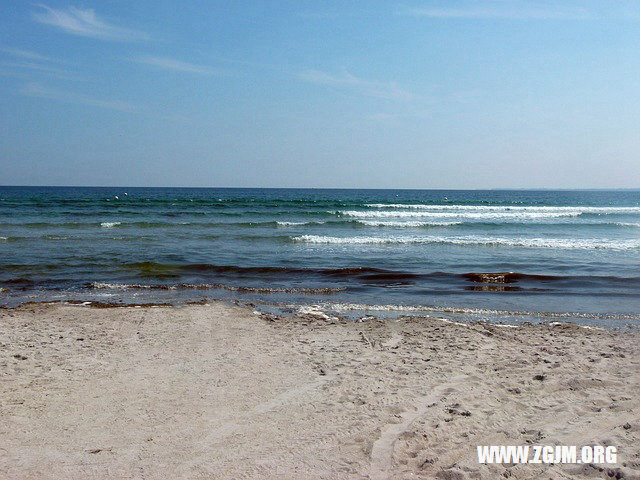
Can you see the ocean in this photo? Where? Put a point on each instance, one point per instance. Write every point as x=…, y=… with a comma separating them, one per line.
x=506, y=256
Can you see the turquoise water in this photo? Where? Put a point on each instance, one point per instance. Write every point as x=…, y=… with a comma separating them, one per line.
x=514, y=255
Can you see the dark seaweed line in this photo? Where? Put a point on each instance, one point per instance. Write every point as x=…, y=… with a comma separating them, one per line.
x=152, y=269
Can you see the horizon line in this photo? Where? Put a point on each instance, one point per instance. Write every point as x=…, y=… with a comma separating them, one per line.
x=336, y=188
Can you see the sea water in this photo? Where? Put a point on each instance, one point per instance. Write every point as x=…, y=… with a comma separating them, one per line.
x=491, y=255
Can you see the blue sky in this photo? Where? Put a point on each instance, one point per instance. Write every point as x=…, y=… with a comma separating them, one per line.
x=377, y=94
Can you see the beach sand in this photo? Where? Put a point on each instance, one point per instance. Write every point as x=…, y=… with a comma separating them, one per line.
x=218, y=391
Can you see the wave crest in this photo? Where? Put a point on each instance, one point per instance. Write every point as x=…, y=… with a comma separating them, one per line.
x=524, y=215
x=506, y=208
x=407, y=224
x=587, y=244
x=212, y=286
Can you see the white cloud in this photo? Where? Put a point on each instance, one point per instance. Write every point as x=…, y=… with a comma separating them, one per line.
x=38, y=90
x=323, y=78
x=166, y=63
x=85, y=23
x=26, y=54
x=28, y=60
x=41, y=69
x=388, y=90
x=505, y=9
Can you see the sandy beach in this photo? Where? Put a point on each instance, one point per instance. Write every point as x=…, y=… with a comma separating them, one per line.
x=219, y=391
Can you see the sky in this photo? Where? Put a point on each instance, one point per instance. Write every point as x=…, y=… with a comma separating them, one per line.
x=331, y=94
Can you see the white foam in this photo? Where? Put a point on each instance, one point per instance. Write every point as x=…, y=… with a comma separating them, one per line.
x=344, y=307
x=507, y=208
x=407, y=224
x=125, y=286
x=622, y=224
x=480, y=215
x=557, y=243
x=350, y=240
x=109, y=224
x=108, y=285
x=294, y=224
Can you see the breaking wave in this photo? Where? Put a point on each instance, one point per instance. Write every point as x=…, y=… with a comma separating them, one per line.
x=480, y=215
x=212, y=286
x=507, y=208
x=295, y=224
x=407, y=224
x=481, y=241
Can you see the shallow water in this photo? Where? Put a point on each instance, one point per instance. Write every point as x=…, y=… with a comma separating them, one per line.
x=467, y=254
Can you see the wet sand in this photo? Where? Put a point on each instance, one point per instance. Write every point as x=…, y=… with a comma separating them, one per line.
x=218, y=391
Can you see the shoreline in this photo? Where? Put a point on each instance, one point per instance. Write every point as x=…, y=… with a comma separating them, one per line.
x=357, y=312
x=197, y=391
